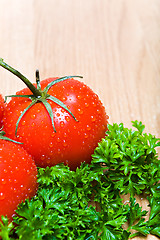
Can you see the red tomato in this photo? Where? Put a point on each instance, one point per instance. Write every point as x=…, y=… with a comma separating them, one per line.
x=74, y=141
x=18, y=177
x=2, y=106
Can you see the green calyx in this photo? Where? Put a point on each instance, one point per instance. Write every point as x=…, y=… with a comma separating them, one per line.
x=3, y=137
x=38, y=95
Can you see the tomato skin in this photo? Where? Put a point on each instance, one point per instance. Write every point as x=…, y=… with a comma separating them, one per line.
x=2, y=106
x=74, y=141
x=18, y=177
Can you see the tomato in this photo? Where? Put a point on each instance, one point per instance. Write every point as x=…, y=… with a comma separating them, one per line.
x=58, y=120
x=2, y=106
x=18, y=177
x=74, y=141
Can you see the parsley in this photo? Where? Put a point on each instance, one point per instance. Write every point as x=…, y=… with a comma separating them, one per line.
x=87, y=204
x=130, y=159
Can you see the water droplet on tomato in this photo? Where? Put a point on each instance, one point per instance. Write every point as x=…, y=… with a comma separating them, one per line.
x=64, y=143
x=51, y=152
x=85, y=135
x=67, y=118
x=23, y=187
x=33, y=124
x=17, y=168
x=29, y=190
x=43, y=157
x=88, y=128
x=23, y=122
x=62, y=124
x=3, y=181
x=53, y=134
x=93, y=119
x=80, y=111
x=5, y=170
x=98, y=111
x=22, y=134
x=79, y=97
x=2, y=196
x=86, y=104
x=51, y=144
x=15, y=180
x=64, y=99
x=33, y=116
x=66, y=162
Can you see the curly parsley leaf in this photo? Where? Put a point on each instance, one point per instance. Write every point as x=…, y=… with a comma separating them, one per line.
x=154, y=218
x=130, y=158
x=134, y=211
x=135, y=217
x=6, y=228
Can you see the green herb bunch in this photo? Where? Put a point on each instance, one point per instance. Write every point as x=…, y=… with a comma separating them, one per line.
x=87, y=204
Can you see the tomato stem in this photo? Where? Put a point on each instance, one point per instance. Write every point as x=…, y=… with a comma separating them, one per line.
x=38, y=80
x=38, y=94
x=33, y=89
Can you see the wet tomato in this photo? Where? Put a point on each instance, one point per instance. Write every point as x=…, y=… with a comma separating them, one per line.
x=74, y=141
x=57, y=120
x=18, y=176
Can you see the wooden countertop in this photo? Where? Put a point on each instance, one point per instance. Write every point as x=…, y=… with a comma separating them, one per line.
x=113, y=44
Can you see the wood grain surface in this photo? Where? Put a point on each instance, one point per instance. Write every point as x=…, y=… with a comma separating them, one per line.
x=113, y=44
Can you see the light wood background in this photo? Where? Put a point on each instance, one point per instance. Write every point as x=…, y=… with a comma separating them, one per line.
x=113, y=44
